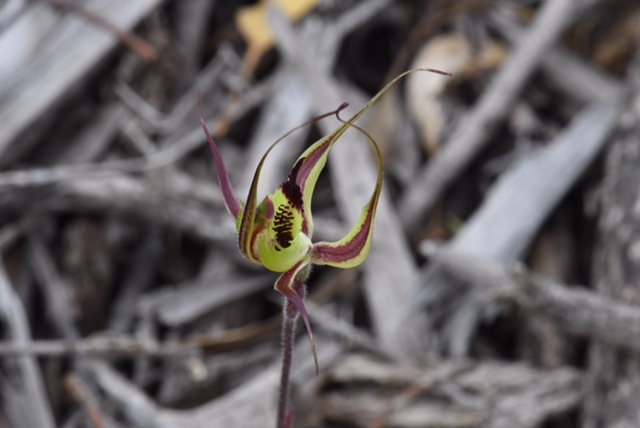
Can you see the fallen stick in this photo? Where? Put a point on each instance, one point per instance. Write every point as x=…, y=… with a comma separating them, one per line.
x=474, y=133
x=121, y=347
x=511, y=215
x=68, y=54
x=32, y=390
x=574, y=309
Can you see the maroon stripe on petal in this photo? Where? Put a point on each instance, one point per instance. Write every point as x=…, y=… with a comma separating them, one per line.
x=309, y=162
x=332, y=254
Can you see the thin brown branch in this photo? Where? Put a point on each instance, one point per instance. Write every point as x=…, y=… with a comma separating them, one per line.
x=83, y=394
x=133, y=42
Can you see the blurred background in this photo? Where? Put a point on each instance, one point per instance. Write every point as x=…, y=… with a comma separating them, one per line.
x=502, y=289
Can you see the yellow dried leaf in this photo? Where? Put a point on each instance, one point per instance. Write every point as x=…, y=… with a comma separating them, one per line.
x=253, y=24
x=453, y=53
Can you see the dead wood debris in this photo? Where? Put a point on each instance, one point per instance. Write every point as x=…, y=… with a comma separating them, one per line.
x=446, y=394
x=124, y=300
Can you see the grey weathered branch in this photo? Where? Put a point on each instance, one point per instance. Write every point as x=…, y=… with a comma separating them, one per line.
x=613, y=373
x=32, y=389
x=573, y=308
x=474, y=133
x=116, y=346
x=464, y=394
x=514, y=210
x=68, y=54
x=567, y=71
x=142, y=198
x=248, y=406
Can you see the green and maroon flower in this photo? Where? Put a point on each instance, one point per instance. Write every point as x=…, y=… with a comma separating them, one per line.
x=276, y=232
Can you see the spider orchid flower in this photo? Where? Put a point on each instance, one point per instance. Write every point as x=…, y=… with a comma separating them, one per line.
x=276, y=232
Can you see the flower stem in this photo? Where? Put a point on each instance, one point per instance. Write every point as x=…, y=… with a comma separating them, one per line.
x=289, y=318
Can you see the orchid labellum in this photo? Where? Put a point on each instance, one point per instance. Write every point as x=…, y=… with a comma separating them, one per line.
x=277, y=231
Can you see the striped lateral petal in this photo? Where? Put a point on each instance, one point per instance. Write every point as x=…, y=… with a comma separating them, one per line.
x=313, y=160
x=354, y=248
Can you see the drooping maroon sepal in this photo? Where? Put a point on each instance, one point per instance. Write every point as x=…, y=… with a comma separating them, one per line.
x=285, y=286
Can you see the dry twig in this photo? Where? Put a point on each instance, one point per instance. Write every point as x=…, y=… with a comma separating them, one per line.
x=574, y=309
x=105, y=347
x=473, y=134
x=502, y=229
x=73, y=50
x=32, y=389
